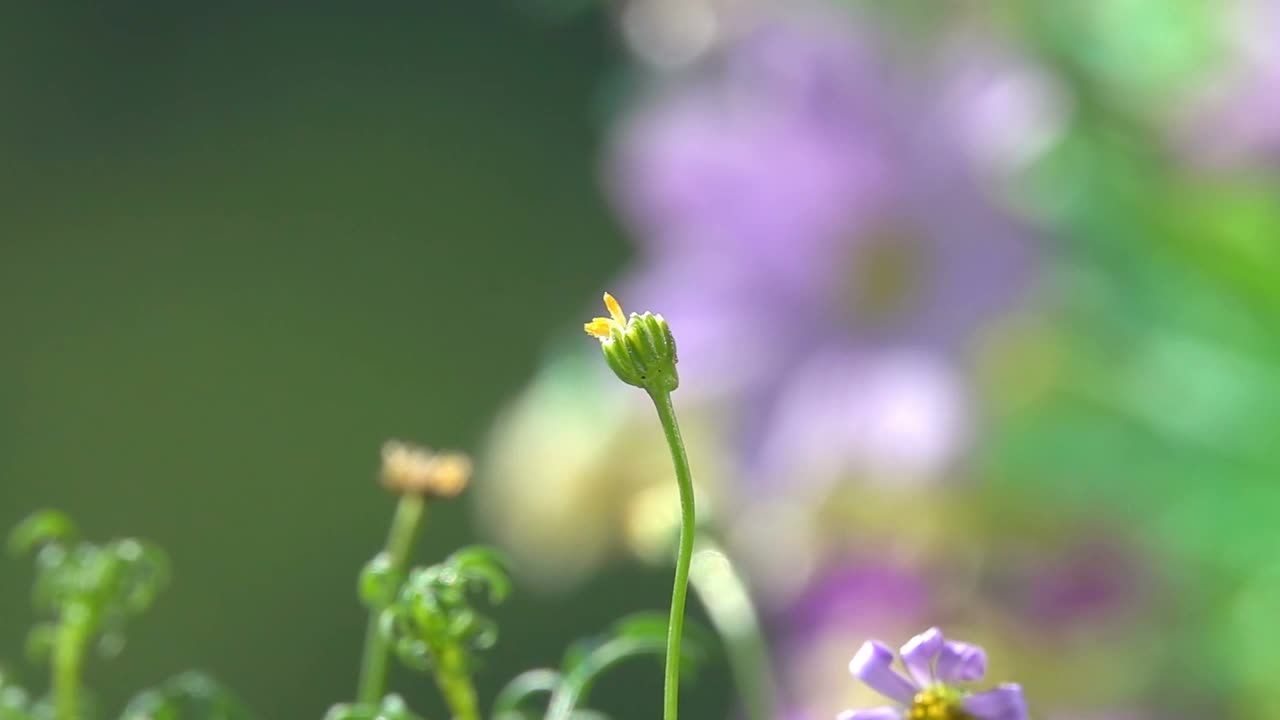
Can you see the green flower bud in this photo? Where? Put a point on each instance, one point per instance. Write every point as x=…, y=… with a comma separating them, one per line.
x=640, y=349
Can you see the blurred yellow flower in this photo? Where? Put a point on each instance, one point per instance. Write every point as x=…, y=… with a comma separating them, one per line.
x=575, y=468
x=408, y=468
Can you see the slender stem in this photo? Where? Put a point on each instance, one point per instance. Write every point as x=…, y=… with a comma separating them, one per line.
x=728, y=603
x=68, y=659
x=373, y=665
x=456, y=686
x=680, y=589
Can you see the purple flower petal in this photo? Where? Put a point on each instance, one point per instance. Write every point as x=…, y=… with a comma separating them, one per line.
x=1003, y=703
x=919, y=653
x=873, y=665
x=961, y=662
x=881, y=713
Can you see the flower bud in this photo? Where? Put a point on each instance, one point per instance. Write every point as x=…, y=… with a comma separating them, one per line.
x=639, y=349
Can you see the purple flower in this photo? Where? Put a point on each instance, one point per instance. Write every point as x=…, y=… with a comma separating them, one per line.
x=825, y=246
x=935, y=668
x=840, y=606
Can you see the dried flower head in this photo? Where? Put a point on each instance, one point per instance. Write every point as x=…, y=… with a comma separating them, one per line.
x=409, y=468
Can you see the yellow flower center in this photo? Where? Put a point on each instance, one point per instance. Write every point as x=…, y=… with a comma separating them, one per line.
x=601, y=327
x=936, y=704
x=889, y=273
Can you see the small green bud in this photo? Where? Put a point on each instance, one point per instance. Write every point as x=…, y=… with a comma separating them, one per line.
x=640, y=349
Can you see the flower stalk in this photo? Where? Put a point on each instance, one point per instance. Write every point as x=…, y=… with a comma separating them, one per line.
x=413, y=473
x=68, y=661
x=641, y=351
x=373, y=665
x=684, y=553
x=455, y=685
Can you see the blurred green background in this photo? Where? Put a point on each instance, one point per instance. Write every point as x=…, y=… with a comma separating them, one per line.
x=241, y=245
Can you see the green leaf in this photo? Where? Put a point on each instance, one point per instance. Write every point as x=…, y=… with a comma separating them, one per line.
x=15, y=703
x=642, y=634
x=432, y=614
x=189, y=696
x=521, y=688
x=40, y=640
x=395, y=708
x=484, y=568
x=41, y=528
x=349, y=711
x=379, y=581
x=142, y=571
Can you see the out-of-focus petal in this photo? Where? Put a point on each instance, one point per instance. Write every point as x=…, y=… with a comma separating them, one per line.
x=919, y=653
x=873, y=665
x=897, y=418
x=881, y=713
x=961, y=662
x=1002, y=703
x=772, y=159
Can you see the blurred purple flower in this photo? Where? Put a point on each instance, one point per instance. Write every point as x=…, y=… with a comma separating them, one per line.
x=768, y=155
x=899, y=417
x=1003, y=110
x=844, y=605
x=935, y=666
x=810, y=223
x=859, y=593
x=1091, y=581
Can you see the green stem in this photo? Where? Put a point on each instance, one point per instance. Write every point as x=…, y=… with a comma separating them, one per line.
x=68, y=659
x=373, y=665
x=680, y=589
x=728, y=603
x=456, y=687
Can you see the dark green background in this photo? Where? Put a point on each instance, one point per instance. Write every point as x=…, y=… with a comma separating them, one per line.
x=242, y=244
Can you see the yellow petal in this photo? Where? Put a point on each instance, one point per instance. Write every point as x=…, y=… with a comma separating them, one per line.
x=598, y=327
x=615, y=310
